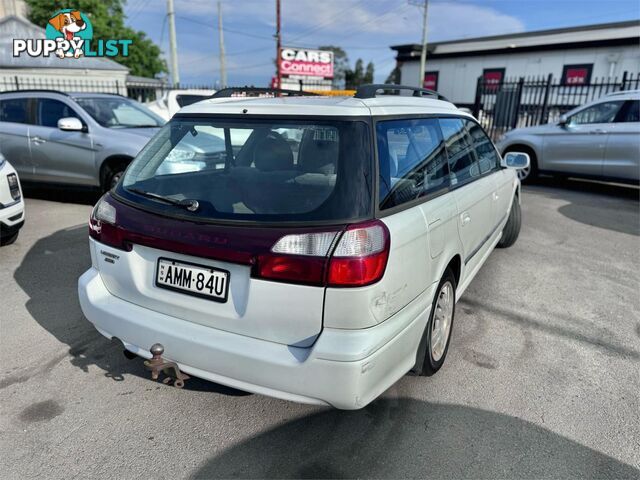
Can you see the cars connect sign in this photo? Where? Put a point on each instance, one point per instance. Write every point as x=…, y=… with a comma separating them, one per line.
x=302, y=61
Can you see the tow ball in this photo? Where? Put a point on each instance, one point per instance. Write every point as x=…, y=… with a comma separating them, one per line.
x=158, y=364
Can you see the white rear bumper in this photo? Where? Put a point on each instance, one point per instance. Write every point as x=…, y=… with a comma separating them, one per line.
x=344, y=368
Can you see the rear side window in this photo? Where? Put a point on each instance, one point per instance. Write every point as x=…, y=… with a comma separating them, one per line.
x=412, y=160
x=630, y=112
x=14, y=110
x=257, y=170
x=604, y=112
x=463, y=163
x=50, y=111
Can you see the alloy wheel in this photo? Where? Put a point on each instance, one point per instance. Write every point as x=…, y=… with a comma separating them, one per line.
x=442, y=319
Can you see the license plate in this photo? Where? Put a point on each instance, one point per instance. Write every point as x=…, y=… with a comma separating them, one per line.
x=197, y=280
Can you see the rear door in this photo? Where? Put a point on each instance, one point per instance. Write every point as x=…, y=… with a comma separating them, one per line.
x=579, y=146
x=474, y=189
x=59, y=156
x=489, y=163
x=413, y=182
x=622, y=156
x=15, y=117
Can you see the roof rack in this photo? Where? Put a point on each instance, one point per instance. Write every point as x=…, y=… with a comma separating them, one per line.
x=371, y=91
x=260, y=92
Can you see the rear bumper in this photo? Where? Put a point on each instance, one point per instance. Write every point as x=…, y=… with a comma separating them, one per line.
x=344, y=368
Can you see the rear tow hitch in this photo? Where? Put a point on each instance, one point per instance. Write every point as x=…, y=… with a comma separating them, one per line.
x=158, y=364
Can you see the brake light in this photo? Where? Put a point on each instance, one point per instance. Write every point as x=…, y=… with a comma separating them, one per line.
x=359, y=258
x=102, y=225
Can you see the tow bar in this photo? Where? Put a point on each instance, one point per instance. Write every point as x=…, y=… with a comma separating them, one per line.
x=158, y=364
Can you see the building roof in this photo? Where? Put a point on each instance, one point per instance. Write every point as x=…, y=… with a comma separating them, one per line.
x=16, y=27
x=320, y=106
x=585, y=36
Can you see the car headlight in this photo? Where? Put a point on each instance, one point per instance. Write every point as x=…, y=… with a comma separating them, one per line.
x=2, y=160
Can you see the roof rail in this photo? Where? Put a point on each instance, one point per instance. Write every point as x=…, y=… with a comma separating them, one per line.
x=371, y=91
x=260, y=92
x=31, y=90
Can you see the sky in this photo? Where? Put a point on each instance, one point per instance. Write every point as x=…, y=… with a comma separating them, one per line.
x=364, y=28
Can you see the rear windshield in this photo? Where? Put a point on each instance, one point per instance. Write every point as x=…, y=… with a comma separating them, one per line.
x=266, y=170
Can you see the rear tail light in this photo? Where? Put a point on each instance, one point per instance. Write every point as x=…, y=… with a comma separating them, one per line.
x=352, y=258
x=102, y=225
x=14, y=187
x=360, y=257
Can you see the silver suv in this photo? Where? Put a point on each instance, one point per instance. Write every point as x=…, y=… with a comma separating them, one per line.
x=600, y=140
x=83, y=139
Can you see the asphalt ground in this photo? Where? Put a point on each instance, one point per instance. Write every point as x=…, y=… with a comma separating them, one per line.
x=542, y=379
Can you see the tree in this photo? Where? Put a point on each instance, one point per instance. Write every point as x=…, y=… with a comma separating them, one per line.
x=368, y=76
x=107, y=18
x=394, y=76
x=340, y=64
x=356, y=77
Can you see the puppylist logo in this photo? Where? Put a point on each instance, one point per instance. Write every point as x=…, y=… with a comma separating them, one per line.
x=69, y=34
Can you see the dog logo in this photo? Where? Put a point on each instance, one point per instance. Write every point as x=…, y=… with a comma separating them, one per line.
x=69, y=34
x=68, y=24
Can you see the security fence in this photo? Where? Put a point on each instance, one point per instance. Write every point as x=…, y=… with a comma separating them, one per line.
x=142, y=91
x=524, y=102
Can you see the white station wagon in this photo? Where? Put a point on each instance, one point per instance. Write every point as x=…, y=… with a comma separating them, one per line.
x=309, y=248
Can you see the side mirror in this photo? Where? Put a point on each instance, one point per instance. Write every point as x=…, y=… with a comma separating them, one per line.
x=70, y=124
x=562, y=121
x=516, y=160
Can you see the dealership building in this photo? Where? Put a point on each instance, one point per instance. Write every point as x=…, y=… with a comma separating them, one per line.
x=574, y=56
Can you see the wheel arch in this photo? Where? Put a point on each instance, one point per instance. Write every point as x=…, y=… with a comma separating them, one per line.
x=111, y=162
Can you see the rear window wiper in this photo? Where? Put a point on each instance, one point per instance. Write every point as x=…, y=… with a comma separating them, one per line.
x=189, y=204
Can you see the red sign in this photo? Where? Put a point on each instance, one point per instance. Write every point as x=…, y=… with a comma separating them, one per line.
x=430, y=80
x=302, y=61
x=576, y=74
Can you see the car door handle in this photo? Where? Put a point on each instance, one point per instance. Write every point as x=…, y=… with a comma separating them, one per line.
x=496, y=196
x=38, y=140
x=598, y=131
x=465, y=218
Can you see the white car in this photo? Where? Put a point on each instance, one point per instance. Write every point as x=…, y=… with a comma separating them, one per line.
x=11, y=203
x=173, y=100
x=318, y=270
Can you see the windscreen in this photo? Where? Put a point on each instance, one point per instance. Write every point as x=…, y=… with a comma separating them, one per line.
x=118, y=112
x=269, y=170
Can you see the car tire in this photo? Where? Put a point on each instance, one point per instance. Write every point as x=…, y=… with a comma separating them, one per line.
x=111, y=175
x=430, y=357
x=511, y=230
x=528, y=175
x=8, y=240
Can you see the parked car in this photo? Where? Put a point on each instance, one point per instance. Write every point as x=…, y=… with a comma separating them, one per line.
x=598, y=140
x=173, y=100
x=321, y=273
x=11, y=203
x=77, y=139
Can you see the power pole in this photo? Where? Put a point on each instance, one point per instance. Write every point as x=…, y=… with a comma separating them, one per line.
x=223, y=68
x=424, y=4
x=173, y=47
x=278, y=45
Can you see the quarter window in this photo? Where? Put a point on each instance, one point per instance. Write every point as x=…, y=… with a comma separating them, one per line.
x=50, y=111
x=463, y=163
x=604, y=112
x=487, y=156
x=412, y=160
x=14, y=110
